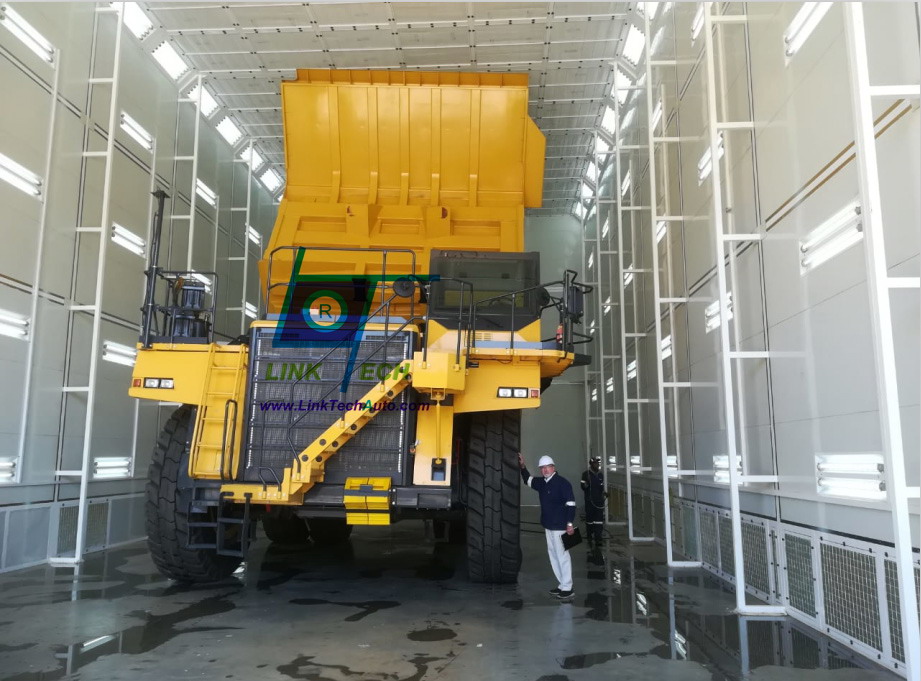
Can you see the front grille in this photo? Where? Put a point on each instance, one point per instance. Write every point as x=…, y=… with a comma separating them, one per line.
x=276, y=437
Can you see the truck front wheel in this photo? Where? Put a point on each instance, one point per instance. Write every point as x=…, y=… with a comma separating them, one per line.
x=168, y=533
x=493, y=481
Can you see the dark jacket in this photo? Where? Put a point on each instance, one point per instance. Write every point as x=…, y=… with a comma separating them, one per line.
x=593, y=486
x=557, y=502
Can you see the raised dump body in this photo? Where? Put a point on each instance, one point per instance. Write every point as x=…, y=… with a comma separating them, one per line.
x=416, y=160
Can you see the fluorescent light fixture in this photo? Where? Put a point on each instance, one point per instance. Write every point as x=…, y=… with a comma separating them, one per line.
x=8, y=468
x=628, y=119
x=621, y=80
x=631, y=370
x=609, y=385
x=601, y=146
x=270, y=179
x=698, y=23
x=256, y=161
x=606, y=227
x=136, y=131
x=838, y=233
x=661, y=230
x=634, y=45
x=229, y=130
x=628, y=276
x=250, y=310
x=721, y=467
x=14, y=325
x=608, y=120
x=625, y=184
x=681, y=645
x=671, y=461
x=591, y=172
x=852, y=464
x=641, y=603
x=667, y=7
x=170, y=60
x=586, y=191
x=128, y=240
x=118, y=353
x=594, y=394
x=712, y=318
x=607, y=305
x=136, y=20
x=99, y=640
x=648, y=8
x=657, y=41
x=578, y=209
x=111, y=467
x=205, y=192
x=591, y=259
x=202, y=279
x=253, y=235
x=872, y=489
x=705, y=164
x=657, y=115
x=666, y=346
x=208, y=103
x=26, y=33
x=20, y=177
x=803, y=24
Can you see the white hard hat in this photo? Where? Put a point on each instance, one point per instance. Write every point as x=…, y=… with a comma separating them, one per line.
x=545, y=461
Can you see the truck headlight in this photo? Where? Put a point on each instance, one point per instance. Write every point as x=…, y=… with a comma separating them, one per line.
x=151, y=382
x=521, y=392
x=504, y=392
x=166, y=383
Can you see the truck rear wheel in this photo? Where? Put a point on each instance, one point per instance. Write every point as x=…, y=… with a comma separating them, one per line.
x=168, y=531
x=493, y=481
x=285, y=528
x=329, y=531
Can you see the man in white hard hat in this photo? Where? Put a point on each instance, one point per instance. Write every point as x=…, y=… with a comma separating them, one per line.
x=557, y=513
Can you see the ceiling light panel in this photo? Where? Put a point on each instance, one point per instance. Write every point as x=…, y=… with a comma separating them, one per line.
x=136, y=19
x=634, y=45
x=229, y=130
x=170, y=60
x=208, y=103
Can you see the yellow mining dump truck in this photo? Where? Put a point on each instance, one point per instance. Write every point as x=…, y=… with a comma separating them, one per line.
x=401, y=341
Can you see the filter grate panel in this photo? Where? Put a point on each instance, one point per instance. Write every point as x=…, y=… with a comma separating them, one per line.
x=754, y=550
x=800, y=576
x=850, y=597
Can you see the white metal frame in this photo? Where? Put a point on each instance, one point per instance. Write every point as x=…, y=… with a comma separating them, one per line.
x=83, y=474
x=37, y=273
x=727, y=356
x=879, y=286
x=624, y=212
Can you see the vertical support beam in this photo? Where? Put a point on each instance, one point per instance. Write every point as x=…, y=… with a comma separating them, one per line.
x=600, y=261
x=246, y=228
x=193, y=195
x=105, y=223
x=881, y=317
x=37, y=272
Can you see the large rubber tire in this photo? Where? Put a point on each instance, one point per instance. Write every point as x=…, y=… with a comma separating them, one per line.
x=285, y=529
x=329, y=531
x=167, y=513
x=493, y=481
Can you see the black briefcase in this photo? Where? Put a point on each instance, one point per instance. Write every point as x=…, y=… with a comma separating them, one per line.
x=570, y=540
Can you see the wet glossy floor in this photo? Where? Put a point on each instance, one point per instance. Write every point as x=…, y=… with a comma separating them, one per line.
x=391, y=607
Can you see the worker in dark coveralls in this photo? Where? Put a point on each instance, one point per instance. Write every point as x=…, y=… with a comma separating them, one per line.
x=557, y=513
x=593, y=488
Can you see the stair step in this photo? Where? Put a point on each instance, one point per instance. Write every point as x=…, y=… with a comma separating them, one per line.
x=202, y=524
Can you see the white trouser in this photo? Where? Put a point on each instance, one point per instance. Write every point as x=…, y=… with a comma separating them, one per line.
x=559, y=559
